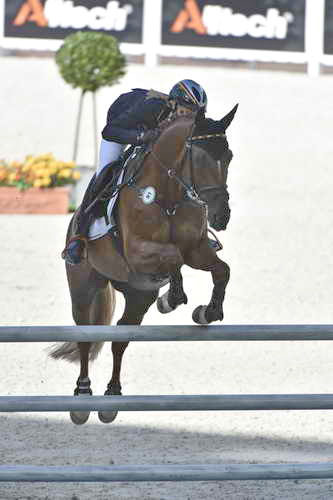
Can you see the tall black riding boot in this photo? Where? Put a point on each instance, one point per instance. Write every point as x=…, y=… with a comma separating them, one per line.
x=74, y=252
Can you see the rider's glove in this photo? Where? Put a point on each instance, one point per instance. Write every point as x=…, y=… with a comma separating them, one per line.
x=147, y=136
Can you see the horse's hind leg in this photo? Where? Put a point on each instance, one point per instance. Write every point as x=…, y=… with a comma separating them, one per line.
x=92, y=304
x=174, y=297
x=137, y=304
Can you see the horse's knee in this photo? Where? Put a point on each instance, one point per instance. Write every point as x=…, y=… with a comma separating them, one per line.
x=223, y=272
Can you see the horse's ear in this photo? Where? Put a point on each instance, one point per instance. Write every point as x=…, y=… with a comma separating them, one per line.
x=227, y=119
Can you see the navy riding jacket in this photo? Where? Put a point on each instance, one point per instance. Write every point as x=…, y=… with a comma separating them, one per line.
x=132, y=113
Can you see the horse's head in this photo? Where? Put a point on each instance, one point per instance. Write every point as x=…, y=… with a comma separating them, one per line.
x=211, y=158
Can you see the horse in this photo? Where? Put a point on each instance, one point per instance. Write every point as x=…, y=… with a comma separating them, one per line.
x=162, y=221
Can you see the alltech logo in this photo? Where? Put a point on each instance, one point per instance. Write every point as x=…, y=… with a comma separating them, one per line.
x=64, y=14
x=222, y=20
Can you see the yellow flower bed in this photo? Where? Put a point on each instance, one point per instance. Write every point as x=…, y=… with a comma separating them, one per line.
x=42, y=171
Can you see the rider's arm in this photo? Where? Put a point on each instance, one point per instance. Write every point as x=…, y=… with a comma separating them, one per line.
x=153, y=111
x=121, y=135
x=128, y=126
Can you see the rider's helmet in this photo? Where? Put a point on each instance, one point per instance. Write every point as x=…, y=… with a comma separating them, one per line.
x=190, y=94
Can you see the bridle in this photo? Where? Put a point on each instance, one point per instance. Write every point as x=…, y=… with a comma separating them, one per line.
x=212, y=187
x=192, y=191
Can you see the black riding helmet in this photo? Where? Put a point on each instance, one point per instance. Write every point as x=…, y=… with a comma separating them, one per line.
x=189, y=93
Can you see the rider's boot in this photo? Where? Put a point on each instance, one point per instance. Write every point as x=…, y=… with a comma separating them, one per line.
x=75, y=249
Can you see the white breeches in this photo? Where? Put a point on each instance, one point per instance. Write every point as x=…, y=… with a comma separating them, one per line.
x=108, y=152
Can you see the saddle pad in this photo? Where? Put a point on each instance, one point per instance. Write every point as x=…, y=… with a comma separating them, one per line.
x=99, y=227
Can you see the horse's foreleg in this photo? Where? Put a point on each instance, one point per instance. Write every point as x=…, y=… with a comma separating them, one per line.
x=174, y=297
x=205, y=259
x=137, y=304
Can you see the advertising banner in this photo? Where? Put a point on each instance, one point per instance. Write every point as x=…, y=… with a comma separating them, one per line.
x=55, y=19
x=328, y=38
x=276, y=25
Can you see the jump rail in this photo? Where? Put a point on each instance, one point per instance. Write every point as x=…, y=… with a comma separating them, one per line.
x=167, y=403
x=232, y=472
x=165, y=333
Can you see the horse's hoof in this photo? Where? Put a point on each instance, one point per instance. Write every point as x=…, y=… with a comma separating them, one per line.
x=163, y=304
x=106, y=417
x=79, y=417
x=204, y=315
x=199, y=315
x=82, y=389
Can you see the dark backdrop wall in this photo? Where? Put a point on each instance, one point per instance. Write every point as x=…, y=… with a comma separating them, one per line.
x=328, y=39
x=231, y=24
x=129, y=20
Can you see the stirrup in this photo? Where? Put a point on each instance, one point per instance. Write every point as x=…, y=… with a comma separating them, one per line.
x=216, y=244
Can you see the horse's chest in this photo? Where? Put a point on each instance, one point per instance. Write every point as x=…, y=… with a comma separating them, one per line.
x=186, y=229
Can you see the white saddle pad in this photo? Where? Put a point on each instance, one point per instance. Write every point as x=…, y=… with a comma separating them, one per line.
x=99, y=227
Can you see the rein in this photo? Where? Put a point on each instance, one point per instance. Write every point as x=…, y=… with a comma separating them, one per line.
x=192, y=192
x=190, y=189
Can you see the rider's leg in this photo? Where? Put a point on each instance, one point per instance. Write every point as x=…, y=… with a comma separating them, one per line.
x=109, y=153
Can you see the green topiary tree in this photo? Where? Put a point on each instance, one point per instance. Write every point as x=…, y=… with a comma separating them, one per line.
x=90, y=61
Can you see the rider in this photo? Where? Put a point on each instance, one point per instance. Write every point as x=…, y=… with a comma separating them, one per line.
x=132, y=119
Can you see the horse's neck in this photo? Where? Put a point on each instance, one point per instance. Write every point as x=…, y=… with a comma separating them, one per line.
x=172, y=142
x=168, y=153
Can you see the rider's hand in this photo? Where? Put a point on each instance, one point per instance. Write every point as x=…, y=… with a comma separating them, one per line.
x=148, y=136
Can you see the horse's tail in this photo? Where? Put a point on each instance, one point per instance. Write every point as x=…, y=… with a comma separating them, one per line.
x=69, y=351
x=101, y=313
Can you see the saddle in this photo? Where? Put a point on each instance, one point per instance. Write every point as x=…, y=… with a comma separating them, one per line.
x=106, y=184
x=104, y=187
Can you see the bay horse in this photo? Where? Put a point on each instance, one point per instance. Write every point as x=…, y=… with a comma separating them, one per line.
x=181, y=174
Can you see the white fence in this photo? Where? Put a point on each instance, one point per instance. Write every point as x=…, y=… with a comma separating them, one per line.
x=205, y=472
